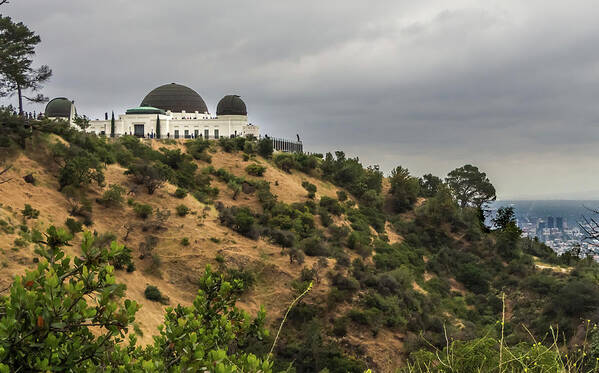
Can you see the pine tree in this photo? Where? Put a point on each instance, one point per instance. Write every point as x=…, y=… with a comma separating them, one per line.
x=112, y=126
x=157, y=126
x=17, y=47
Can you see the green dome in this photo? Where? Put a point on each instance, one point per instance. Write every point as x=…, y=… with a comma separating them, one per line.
x=176, y=98
x=59, y=107
x=145, y=110
x=231, y=105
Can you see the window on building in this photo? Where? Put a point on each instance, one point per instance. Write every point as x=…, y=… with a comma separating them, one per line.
x=206, y=134
x=176, y=134
x=216, y=133
x=186, y=134
x=196, y=133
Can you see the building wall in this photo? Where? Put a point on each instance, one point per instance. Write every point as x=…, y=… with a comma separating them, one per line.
x=224, y=126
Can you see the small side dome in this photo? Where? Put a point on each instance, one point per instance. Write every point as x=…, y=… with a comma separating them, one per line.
x=231, y=105
x=59, y=107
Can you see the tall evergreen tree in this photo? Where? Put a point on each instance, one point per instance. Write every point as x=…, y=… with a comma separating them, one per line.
x=17, y=48
x=112, y=126
x=157, y=126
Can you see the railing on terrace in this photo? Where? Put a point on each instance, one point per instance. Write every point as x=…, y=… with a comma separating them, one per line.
x=288, y=146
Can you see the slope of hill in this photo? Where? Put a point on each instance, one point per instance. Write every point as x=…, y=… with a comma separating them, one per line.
x=394, y=269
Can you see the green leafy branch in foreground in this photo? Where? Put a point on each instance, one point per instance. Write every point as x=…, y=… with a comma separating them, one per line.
x=69, y=315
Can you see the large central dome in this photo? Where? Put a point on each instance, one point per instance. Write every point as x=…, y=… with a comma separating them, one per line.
x=176, y=98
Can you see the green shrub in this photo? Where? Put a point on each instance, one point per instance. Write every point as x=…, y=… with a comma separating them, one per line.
x=73, y=225
x=152, y=293
x=185, y=241
x=331, y=205
x=198, y=149
x=142, y=210
x=311, y=188
x=181, y=193
x=6, y=227
x=182, y=210
x=285, y=161
x=112, y=197
x=255, y=169
x=314, y=246
x=341, y=195
x=265, y=148
x=228, y=145
x=325, y=218
x=240, y=219
x=20, y=242
x=473, y=277
x=29, y=212
x=123, y=260
x=340, y=327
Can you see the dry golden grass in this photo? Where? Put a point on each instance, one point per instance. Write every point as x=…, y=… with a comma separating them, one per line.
x=181, y=265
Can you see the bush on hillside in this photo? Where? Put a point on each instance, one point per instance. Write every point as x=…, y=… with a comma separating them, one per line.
x=142, y=210
x=255, y=169
x=331, y=205
x=311, y=188
x=198, y=149
x=151, y=175
x=180, y=193
x=314, y=246
x=29, y=212
x=240, y=219
x=152, y=293
x=113, y=197
x=265, y=148
x=182, y=210
x=285, y=161
x=73, y=225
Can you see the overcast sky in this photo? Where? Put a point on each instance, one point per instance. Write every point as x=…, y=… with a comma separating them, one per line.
x=510, y=86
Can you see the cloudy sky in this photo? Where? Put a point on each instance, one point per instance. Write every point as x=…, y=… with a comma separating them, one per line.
x=510, y=86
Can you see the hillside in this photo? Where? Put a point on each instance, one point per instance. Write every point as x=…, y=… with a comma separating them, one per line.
x=396, y=264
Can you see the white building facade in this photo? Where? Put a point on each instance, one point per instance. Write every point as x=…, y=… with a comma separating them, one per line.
x=174, y=125
x=176, y=111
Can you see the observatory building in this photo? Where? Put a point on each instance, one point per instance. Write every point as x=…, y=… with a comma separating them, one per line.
x=176, y=111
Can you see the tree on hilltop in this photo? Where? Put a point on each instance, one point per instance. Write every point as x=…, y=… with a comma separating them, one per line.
x=17, y=48
x=470, y=186
x=404, y=189
x=429, y=185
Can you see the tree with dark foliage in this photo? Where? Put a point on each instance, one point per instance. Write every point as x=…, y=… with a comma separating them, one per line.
x=470, y=186
x=17, y=48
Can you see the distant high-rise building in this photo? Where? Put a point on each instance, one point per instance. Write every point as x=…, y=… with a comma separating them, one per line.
x=559, y=222
x=541, y=225
x=550, y=222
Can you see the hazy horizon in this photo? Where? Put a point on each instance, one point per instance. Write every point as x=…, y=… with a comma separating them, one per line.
x=508, y=86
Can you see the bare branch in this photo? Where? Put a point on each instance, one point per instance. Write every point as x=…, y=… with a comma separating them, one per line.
x=590, y=227
x=2, y=181
x=2, y=2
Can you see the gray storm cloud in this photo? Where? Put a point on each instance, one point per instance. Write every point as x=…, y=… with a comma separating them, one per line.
x=508, y=85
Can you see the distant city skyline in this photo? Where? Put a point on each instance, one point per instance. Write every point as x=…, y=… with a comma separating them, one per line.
x=508, y=86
